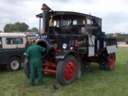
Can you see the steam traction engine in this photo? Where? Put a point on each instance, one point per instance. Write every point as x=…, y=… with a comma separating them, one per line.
x=73, y=40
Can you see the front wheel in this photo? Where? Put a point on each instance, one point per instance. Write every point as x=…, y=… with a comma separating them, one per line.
x=14, y=64
x=68, y=70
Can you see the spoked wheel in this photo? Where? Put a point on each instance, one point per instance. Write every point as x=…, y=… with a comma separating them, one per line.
x=68, y=70
x=111, y=60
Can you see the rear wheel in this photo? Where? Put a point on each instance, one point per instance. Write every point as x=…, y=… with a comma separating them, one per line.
x=14, y=64
x=68, y=70
x=111, y=60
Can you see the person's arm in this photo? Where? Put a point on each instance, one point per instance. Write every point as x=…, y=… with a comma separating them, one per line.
x=42, y=49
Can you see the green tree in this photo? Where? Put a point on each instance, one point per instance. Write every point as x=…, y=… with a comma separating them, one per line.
x=8, y=28
x=34, y=29
x=24, y=27
x=16, y=27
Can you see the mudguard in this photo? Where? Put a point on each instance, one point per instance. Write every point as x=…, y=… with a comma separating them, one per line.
x=62, y=55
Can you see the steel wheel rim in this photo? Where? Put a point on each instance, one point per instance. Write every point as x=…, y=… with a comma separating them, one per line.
x=69, y=70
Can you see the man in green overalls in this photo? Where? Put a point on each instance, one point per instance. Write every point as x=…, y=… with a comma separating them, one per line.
x=34, y=55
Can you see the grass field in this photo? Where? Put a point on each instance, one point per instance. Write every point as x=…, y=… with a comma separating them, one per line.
x=95, y=83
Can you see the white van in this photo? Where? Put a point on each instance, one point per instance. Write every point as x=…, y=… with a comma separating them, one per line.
x=12, y=47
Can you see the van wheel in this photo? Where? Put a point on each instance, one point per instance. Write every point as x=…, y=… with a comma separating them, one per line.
x=14, y=64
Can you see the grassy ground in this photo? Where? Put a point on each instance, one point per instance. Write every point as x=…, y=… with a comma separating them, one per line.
x=95, y=83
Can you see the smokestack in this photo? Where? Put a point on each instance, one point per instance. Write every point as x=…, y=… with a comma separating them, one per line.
x=45, y=15
x=45, y=8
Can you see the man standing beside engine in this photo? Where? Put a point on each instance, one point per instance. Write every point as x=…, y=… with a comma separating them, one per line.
x=34, y=56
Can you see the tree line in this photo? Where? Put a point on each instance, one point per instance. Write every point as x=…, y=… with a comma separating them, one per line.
x=119, y=36
x=19, y=27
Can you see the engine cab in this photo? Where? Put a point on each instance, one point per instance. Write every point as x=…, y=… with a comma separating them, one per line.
x=70, y=30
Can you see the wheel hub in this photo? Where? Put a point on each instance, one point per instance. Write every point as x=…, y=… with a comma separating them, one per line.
x=14, y=64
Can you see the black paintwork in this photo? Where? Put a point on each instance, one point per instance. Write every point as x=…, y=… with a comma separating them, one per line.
x=7, y=54
x=71, y=34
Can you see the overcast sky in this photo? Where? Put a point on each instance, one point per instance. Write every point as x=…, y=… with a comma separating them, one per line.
x=114, y=13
